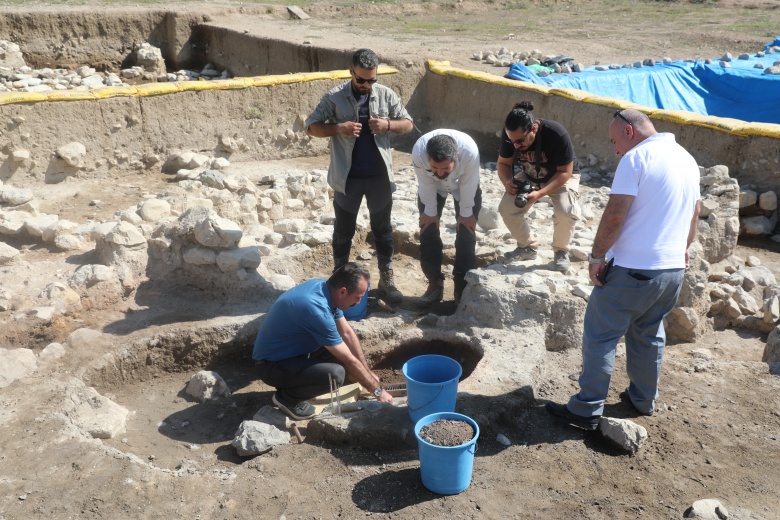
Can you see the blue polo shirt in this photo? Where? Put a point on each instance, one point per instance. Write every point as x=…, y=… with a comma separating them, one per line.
x=301, y=320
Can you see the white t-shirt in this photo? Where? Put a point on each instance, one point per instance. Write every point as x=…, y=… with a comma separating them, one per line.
x=664, y=178
x=462, y=182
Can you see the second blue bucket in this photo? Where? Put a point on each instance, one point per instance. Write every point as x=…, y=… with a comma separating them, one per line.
x=431, y=385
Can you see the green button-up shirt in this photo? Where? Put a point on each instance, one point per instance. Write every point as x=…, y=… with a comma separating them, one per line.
x=339, y=105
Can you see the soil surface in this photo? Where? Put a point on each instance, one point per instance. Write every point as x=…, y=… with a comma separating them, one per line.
x=715, y=434
x=447, y=432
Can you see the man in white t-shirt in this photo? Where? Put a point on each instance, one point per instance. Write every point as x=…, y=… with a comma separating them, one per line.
x=446, y=162
x=637, y=263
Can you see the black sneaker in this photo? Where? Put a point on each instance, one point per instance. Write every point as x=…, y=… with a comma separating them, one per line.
x=299, y=412
x=559, y=411
x=520, y=253
x=624, y=397
x=562, y=261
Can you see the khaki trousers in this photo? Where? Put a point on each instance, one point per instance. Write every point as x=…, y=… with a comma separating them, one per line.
x=566, y=213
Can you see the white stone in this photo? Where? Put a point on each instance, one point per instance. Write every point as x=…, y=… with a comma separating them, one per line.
x=207, y=385
x=200, y=256
x=15, y=197
x=72, y=153
x=270, y=415
x=52, y=351
x=7, y=253
x=582, y=291
x=757, y=225
x=281, y=282
x=625, y=434
x=94, y=414
x=217, y=232
x=230, y=260
x=747, y=198
x=15, y=364
x=219, y=163
x=45, y=314
x=90, y=274
x=68, y=243
x=707, y=509
x=50, y=232
x=20, y=155
x=772, y=309
x=768, y=201
x=489, y=218
x=153, y=210
x=254, y=438
x=125, y=234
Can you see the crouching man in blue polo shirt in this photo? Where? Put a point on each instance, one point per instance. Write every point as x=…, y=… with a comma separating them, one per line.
x=305, y=337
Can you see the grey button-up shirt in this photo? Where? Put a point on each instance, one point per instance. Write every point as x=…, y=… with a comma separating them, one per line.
x=338, y=106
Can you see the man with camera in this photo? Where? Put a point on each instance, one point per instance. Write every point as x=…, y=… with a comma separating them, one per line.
x=543, y=154
x=446, y=161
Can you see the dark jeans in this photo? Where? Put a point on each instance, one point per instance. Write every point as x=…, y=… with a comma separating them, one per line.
x=465, y=244
x=378, y=193
x=300, y=378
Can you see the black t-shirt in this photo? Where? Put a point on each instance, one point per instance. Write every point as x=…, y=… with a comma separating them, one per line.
x=556, y=150
x=366, y=159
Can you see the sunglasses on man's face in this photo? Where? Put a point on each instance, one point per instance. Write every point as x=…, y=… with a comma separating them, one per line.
x=364, y=80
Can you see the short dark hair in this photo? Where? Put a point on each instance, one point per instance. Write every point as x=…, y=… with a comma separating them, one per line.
x=365, y=59
x=521, y=117
x=442, y=147
x=349, y=276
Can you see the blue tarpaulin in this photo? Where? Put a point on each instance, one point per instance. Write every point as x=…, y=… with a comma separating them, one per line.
x=740, y=91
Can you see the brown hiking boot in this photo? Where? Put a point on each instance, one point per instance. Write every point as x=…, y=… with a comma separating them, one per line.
x=388, y=288
x=434, y=293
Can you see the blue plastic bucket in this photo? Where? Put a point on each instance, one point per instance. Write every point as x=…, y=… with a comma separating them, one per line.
x=359, y=311
x=431, y=385
x=446, y=469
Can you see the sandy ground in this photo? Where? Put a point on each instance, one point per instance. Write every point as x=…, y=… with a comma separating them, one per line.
x=716, y=435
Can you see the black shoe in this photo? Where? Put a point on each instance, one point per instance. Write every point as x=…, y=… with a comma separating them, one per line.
x=299, y=412
x=520, y=253
x=559, y=411
x=624, y=397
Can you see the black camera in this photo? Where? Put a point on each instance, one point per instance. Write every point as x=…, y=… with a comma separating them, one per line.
x=523, y=189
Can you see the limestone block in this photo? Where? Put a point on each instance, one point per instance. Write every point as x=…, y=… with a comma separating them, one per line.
x=213, y=179
x=747, y=304
x=294, y=204
x=761, y=275
x=7, y=253
x=489, y=218
x=150, y=59
x=52, y=351
x=768, y=201
x=35, y=225
x=625, y=434
x=200, y=256
x=230, y=260
x=772, y=349
x=281, y=282
x=68, y=243
x=124, y=234
x=707, y=509
x=207, y=385
x=20, y=155
x=759, y=225
x=73, y=153
x=15, y=364
x=94, y=414
x=153, y=210
x=56, y=228
x=91, y=274
x=290, y=226
x=217, y=232
x=708, y=205
x=255, y=438
x=772, y=309
x=565, y=326
x=270, y=415
x=15, y=197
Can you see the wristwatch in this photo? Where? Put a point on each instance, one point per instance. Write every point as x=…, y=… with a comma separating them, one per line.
x=593, y=260
x=377, y=391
